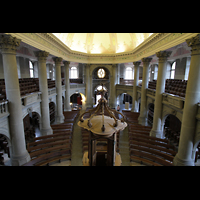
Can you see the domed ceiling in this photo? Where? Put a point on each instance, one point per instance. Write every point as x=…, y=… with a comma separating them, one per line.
x=102, y=43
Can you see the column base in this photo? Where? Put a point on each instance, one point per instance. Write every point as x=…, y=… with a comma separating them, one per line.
x=143, y=121
x=60, y=119
x=20, y=160
x=156, y=133
x=48, y=131
x=182, y=162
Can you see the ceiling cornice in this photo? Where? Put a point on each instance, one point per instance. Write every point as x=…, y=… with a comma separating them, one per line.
x=156, y=42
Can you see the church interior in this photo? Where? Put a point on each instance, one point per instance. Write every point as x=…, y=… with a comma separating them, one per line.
x=99, y=99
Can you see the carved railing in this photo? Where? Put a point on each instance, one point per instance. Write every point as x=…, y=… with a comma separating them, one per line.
x=173, y=100
x=151, y=93
x=30, y=98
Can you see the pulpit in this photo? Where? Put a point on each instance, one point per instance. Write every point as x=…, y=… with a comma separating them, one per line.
x=103, y=133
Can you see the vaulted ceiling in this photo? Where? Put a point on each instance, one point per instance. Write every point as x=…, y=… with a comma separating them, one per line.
x=102, y=43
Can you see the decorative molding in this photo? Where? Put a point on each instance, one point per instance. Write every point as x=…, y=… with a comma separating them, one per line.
x=156, y=42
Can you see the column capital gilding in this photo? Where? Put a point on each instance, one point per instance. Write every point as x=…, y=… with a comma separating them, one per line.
x=8, y=44
x=57, y=60
x=194, y=43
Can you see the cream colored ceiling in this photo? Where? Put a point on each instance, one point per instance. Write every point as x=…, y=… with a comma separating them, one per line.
x=102, y=43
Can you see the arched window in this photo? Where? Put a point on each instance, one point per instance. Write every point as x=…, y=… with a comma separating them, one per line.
x=31, y=69
x=74, y=72
x=129, y=73
x=173, y=70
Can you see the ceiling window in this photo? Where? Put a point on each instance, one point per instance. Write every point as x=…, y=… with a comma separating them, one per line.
x=74, y=72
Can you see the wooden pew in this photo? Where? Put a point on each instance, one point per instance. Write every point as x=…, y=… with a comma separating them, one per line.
x=49, y=157
x=150, y=157
x=163, y=149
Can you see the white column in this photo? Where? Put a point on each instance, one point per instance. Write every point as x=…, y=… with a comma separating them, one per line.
x=67, y=87
x=184, y=155
x=89, y=102
x=45, y=119
x=113, y=81
x=135, y=105
x=143, y=111
x=19, y=154
x=156, y=131
x=59, y=115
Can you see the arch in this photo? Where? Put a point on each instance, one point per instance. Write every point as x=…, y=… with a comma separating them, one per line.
x=169, y=111
x=7, y=136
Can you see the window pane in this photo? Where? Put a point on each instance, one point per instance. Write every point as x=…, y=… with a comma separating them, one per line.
x=172, y=74
x=174, y=65
x=31, y=73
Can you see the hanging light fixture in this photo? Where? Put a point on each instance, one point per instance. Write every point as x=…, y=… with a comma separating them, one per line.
x=98, y=122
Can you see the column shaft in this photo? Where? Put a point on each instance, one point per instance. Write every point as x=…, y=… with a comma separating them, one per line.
x=45, y=118
x=59, y=114
x=143, y=111
x=89, y=102
x=67, y=87
x=156, y=131
x=184, y=155
x=135, y=105
x=19, y=154
x=112, y=87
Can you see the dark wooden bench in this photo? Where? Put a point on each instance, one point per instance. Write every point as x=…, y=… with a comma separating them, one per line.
x=48, y=145
x=143, y=161
x=149, y=137
x=154, y=152
x=53, y=135
x=150, y=157
x=50, y=157
x=38, y=153
x=47, y=141
x=163, y=149
x=151, y=142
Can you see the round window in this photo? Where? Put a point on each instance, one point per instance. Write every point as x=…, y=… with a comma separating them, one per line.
x=101, y=73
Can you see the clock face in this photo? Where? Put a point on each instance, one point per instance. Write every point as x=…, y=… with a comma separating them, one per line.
x=101, y=73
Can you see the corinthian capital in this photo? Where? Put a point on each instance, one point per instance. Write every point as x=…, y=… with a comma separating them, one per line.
x=41, y=55
x=57, y=60
x=146, y=60
x=163, y=55
x=66, y=63
x=194, y=43
x=8, y=44
x=136, y=63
